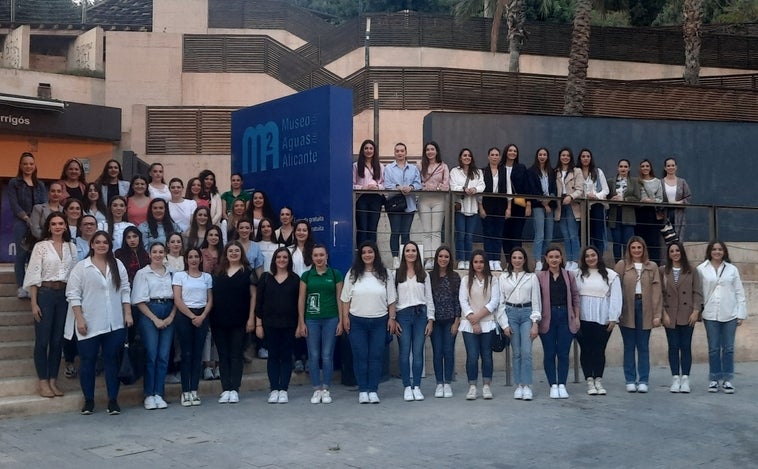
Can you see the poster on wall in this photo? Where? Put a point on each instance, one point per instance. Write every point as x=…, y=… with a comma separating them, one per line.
x=298, y=151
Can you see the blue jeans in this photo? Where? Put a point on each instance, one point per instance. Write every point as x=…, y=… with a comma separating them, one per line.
x=639, y=339
x=478, y=345
x=556, y=344
x=400, y=230
x=413, y=322
x=720, y=337
x=521, y=342
x=465, y=225
x=157, y=347
x=443, y=349
x=22, y=255
x=111, y=344
x=597, y=227
x=48, y=332
x=367, y=341
x=621, y=234
x=680, y=349
x=543, y=231
x=492, y=230
x=191, y=341
x=570, y=233
x=368, y=208
x=321, y=339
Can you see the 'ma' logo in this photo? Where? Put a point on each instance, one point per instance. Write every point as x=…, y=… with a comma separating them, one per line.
x=260, y=143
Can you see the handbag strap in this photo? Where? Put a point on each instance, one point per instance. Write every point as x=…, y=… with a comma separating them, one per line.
x=723, y=268
x=515, y=287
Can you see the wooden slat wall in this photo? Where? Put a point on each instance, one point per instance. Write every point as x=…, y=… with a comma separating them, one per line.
x=188, y=130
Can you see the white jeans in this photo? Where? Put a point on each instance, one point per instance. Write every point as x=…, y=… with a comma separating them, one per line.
x=431, y=211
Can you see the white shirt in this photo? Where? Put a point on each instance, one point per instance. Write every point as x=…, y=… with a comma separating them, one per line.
x=298, y=262
x=368, y=296
x=724, y=295
x=151, y=284
x=478, y=298
x=118, y=233
x=174, y=263
x=520, y=288
x=194, y=289
x=101, y=303
x=267, y=249
x=412, y=293
x=156, y=193
x=46, y=266
x=459, y=182
x=182, y=213
x=599, y=301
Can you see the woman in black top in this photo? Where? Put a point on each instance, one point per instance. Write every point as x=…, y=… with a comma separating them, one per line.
x=232, y=316
x=518, y=209
x=447, y=315
x=276, y=318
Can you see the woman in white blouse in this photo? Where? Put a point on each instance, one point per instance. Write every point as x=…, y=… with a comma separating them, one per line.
x=600, y=307
x=181, y=209
x=724, y=309
x=117, y=220
x=49, y=267
x=158, y=187
x=153, y=295
x=520, y=302
x=98, y=294
x=414, y=319
x=595, y=190
x=466, y=178
x=479, y=296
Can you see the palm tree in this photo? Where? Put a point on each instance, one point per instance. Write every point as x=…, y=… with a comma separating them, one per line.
x=693, y=20
x=576, y=83
x=515, y=17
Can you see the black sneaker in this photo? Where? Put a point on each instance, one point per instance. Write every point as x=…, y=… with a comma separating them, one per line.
x=113, y=407
x=89, y=407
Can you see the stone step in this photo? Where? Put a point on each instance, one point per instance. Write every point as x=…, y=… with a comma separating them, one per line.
x=13, y=304
x=11, y=333
x=6, y=275
x=8, y=289
x=17, y=367
x=16, y=349
x=130, y=397
x=16, y=318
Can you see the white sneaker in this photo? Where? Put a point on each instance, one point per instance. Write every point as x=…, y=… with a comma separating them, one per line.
x=428, y=265
x=631, y=387
x=528, y=393
x=676, y=384
x=159, y=402
x=208, y=374
x=642, y=387
x=471, y=394
x=326, y=397
x=684, y=384
x=439, y=391
x=461, y=265
x=195, y=398
x=22, y=293
x=283, y=397
x=562, y=393
x=713, y=386
x=497, y=266
x=395, y=262
x=373, y=398
x=363, y=398
x=150, y=403
x=224, y=398
x=728, y=387
x=486, y=392
x=554, y=392
x=234, y=397
x=417, y=396
x=273, y=397
x=591, y=389
x=263, y=353
x=519, y=392
x=447, y=391
x=408, y=394
x=599, y=386
x=538, y=266
x=217, y=373
x=186, y=399
x=316, y=398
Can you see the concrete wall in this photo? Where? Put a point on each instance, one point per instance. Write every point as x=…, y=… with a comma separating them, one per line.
x=65, y=87
x=16, y=48
x=231, y=89
x=86, y=52
x=180, y=16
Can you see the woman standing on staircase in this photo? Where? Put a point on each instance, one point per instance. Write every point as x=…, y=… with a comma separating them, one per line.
x=49, y=267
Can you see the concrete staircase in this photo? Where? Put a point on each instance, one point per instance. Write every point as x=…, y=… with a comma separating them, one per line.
x=18, y=379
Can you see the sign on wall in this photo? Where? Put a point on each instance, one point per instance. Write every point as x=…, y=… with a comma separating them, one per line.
x=297, y=149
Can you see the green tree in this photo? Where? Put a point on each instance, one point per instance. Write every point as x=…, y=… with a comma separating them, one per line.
x=576, y=82
x=693, y=20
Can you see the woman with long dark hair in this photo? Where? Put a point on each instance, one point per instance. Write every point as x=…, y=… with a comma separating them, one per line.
x=266, y=241
x=466, y=178
x=158, y=225
x=682, y=299
x=517, y=209
x=435, y=183
x=648, y=216
x=138, y=199
x=50, y=264
x=368, y=298
x=210, y=193
x=285, y=234
x=195, y=234
x=181, y=209
x=111, y=182
x=368, y=174
x=260, y=208
x=675, y=191
x=94, y=205
x=24, y=192
x=98, y=294
x=73, y=210
x=543, y=209
x=303, y=247
x=570, y=184
x=595, y=189
x=492, y=209
x=621, y=218
x=446, y=284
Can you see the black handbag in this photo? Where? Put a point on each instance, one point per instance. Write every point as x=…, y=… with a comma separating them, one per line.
x=395, y=204
x=499, y=339
x=126, y=372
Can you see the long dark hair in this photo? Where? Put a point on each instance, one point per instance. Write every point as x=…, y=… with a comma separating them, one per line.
x=48, y=235
x=104, y=178
x=558, y=164
x=223, y=260
x=472, y=274
x=109, y=256
x=199, y=254
x=591, y=169
x=131, y=185
x=686, y=268
x=259, y=232
x=425, y=161
x=125, y=247
x=418, y=268
x=188, y=191
x=504, y=155
x=509, y=269
x=268, y=211
x=601, y=268
x=710, y=246
x=152, y=223
x=536, y=165
x=192, y=237
x=473, y=171
x=434, y=275
x=272, y=267
x=214, y=189
x=20, y=173
x=109, y=213
x=220, y=246
x=309, y=242
x=99, y=204
x=376, y=167
x=153, y=165
x=358, y=268
x=69, y=202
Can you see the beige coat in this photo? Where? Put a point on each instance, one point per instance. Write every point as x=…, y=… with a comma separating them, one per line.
x=652, y=298
x=682, y=298
x=574, y=187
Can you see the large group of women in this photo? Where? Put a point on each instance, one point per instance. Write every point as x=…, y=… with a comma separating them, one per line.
x=111, y=258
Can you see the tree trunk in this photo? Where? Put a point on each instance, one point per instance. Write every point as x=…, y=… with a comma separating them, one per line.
x=516, y=17
x=576, y=83
x=497, y=19
x=693, y=20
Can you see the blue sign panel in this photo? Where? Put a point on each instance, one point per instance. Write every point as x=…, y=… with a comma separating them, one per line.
x=298, y=150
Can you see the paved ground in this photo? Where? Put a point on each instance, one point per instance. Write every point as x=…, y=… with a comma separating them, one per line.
x=659, y=429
